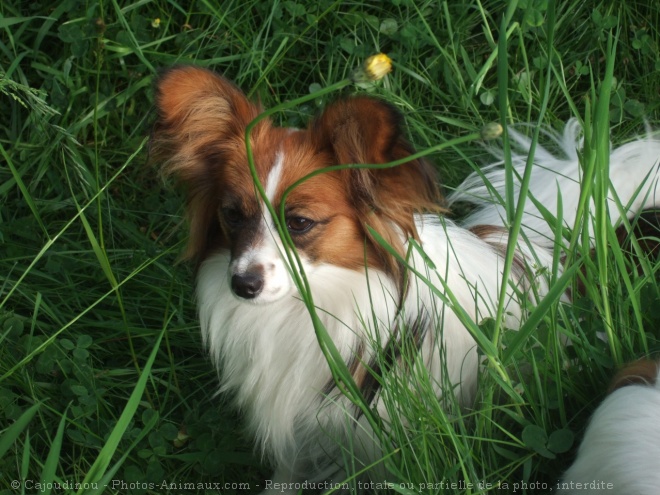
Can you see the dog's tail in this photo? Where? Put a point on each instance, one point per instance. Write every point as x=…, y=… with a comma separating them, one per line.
x=556, y=179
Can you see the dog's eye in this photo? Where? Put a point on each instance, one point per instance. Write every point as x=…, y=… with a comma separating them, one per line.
x=299, y=225
x=232, y=216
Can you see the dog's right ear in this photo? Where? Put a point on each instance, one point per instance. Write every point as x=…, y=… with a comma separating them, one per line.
x=201, y=121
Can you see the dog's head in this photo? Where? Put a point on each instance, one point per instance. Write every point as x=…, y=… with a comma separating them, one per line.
x=200, y=139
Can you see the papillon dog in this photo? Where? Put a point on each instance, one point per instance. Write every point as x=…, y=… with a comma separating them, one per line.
x=383, y=261
x=620, y=451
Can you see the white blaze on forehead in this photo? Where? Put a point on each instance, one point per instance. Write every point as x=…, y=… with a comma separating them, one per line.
x=271, y=187
x=265, y=247
x=274, y=176
x=264, y=255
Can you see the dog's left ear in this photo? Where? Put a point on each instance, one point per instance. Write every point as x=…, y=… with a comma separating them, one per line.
x=360, y=130
x=365, y=130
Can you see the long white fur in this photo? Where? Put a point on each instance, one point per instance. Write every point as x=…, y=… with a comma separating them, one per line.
x=620, y=452
x=633, y=175
x=270, y=358
x=268, y=353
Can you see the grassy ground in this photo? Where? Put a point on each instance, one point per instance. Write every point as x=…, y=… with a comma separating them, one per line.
x=102, y=374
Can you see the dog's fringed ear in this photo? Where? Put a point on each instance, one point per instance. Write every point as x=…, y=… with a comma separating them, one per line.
x=201, y=120
x=198, y=113
x=365, y=130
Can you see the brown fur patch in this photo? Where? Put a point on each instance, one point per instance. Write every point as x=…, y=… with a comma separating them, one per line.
x=368, y=131
x=202, y=119
x=642, y=372
x=646, y=228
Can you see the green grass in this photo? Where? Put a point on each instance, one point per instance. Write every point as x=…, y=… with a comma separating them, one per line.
x=102, y=372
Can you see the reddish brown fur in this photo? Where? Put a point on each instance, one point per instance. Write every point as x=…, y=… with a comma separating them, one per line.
x=642, y=372
x=200, y=139
x=201, y=121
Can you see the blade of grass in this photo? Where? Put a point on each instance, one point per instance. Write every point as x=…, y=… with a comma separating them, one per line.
x=51, y=241
x=15, y=429
x=535, y=317
x=50, y=466
x=100, y=466
x=515, y=212
x=601, y=145
x=24, y=190
x=101, y=485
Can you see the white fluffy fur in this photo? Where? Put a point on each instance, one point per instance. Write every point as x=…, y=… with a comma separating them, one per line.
x=270, y=358
x=633, y=175
x=620, y=452
x=269, y=355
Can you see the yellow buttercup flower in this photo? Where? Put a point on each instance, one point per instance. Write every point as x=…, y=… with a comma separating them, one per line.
x=155, y=23
x=374, y=68
x=492, y=130
x=378, y=66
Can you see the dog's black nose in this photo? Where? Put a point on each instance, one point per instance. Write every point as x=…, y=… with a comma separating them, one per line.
x=247, y=285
